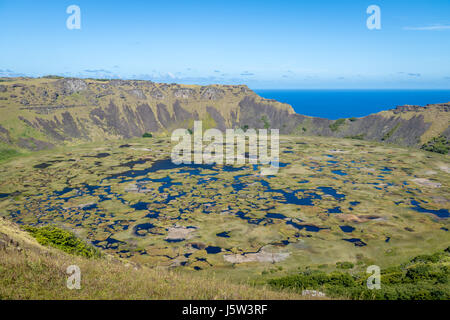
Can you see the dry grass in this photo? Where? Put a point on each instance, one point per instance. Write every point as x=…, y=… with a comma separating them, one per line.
x=30, y=271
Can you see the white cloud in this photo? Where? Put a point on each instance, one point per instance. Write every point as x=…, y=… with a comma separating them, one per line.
x=428, y=28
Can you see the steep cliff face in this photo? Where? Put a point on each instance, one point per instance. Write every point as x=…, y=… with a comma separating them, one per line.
x=40, y=113
x=406, y=125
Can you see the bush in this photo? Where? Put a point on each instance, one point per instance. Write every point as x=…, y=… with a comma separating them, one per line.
x=63, y=240
x=266, y=122
x=424, y=277
x=356, y=137
x=336, y=124
x=437, y=144
x=244, y=128
x=147, y=135
x=344, y=265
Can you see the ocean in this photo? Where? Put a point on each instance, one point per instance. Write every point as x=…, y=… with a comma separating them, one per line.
x=335, y=104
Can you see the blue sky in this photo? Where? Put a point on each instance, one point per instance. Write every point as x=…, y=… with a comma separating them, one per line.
x=264, y=44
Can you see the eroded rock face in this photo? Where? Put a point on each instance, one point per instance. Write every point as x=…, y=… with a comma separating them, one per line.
x=157, y=94
x=413, y=108
x=183, y=93
x=137, y=93
x=211, y=93
x=218, y=118
x=70, y=86
x=34, y=144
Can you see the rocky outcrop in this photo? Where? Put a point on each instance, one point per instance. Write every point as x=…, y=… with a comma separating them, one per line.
x=69, y=86
x=211, y=93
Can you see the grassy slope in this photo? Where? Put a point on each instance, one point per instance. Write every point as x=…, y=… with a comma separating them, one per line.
x=31, y=271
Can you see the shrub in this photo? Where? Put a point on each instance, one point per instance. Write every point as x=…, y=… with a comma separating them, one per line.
x=336, y=124
x=357, y=137
x=424, y=277
x=344, y=265
x=63, y=240
x=437, y=144
x=266, y=122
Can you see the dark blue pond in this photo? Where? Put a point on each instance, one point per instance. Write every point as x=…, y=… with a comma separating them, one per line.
x=332, y=192
x=153, y=215
x=224, y=234
x=441, y=213
x=213, y=250
x=140, y=206
x=275, y=216
x=173, y=240
x=339, y=172
x=310, y=228
x=356, y=242
x=143, y=226
x=110, y=243
x=335, y=210
x=347, y=229
x=42, y=165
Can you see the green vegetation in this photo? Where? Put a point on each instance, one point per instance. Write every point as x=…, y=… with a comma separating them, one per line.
x=356, y=137
x=50, y=76
x=266, y=122
x=336, y=124
x=147, y=135
x=425, y=277
x=63, y=240
x=344, y=265
x=438, y=144
x=8, y=153
x=390, y=132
